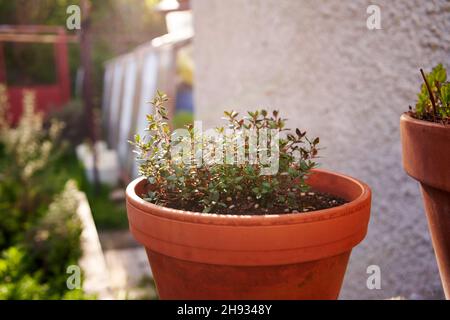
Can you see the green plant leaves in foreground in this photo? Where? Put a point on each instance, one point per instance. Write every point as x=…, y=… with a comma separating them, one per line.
x=433, y=100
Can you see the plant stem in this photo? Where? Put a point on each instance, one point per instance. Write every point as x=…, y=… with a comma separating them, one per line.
x=433, y=103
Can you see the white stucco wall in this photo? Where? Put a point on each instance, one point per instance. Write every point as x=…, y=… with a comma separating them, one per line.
x=318, y=63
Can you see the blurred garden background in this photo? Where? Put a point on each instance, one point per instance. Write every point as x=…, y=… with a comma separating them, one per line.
x=71, y=98
x=45, y=117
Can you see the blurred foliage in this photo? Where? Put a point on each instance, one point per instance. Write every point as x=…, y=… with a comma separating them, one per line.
x=183, y=119
x=185, y=65
x=18, y=56
x=39, y=229
x=107, y=214
x=17, y=282
x=19, y=70
x=117, y=27
x=72, y=116
x=148, y=285
x=56, y=238
x=28, y=154
x=39, y=234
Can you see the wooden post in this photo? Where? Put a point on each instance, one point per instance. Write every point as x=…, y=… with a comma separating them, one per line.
x=62, y=65
x=86, y=61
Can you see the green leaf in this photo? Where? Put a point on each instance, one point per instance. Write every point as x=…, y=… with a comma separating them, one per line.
x=207, y=209
x=438, y=74
x=172, y=178
x=445, y=94
x=266, y=185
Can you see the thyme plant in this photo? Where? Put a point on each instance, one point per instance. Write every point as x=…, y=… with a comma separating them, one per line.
x=230, y=186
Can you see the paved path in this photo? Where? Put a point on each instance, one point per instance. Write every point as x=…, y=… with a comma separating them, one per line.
x=129, y=271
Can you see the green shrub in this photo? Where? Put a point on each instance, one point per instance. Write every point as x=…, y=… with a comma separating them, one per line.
x=72, y=115
x=53, y=242
x=17, y=282
x=39, y=229
x=433, y=103
x=28, y=153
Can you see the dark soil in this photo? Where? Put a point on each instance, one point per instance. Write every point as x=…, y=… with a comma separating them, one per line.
x=429, y=117
x=307, y=202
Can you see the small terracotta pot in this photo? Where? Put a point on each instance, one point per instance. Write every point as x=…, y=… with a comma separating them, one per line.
x=426, y=158
x=288, y=256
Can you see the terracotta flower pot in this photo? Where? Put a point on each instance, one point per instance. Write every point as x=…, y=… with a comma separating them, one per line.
x=426, y=158
x=289, y=256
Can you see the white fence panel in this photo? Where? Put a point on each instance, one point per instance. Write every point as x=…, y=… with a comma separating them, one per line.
x=115, y=103
x=148, y=89
x=107, y=91
x=125, y=122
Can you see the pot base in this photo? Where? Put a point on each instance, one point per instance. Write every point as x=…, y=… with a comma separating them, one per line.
x=437, y=207
x=186, y=280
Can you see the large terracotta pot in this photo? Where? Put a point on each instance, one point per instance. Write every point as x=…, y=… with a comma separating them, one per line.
x=426, y=158
x=289, y=256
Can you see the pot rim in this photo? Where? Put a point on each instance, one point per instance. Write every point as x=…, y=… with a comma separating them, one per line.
x=251, y=220
x=406, y=117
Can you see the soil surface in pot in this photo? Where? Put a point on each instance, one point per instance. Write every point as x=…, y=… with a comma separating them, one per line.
x=307, y=202
x=428, y=117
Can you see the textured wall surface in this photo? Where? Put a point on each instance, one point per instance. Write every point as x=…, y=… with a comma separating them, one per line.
x=318, y=63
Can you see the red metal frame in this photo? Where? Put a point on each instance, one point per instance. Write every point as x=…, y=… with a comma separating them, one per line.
x=48, y=97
